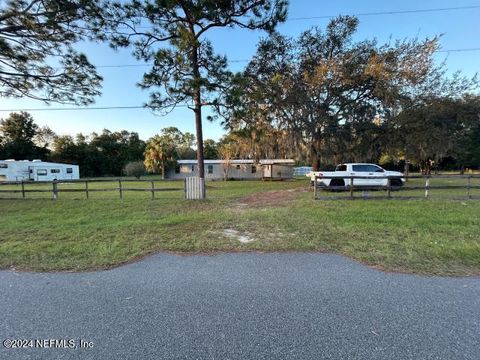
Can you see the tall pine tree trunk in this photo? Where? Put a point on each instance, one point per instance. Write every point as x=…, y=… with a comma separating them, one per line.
x=199, y=134
x=197, y=101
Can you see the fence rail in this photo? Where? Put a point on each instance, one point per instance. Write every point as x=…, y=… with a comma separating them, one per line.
x=55, y=190
x=350, y=187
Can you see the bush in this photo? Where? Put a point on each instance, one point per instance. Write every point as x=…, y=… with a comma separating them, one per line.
x=134, y=168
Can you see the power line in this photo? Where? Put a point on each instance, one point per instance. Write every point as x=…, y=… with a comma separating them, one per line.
x=455, y=8
x=247, y=60
x=379, y=13
x=117, y=107
x=390, y=12
x=459, y=50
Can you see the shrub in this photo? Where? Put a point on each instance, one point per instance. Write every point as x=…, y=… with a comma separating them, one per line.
x=134, y=168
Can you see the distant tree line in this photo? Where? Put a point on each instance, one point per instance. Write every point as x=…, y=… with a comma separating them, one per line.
x=441, y=135
x=105, y=154
x=101, y=154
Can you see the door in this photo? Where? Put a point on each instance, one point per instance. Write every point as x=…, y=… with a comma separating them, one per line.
x=40, y=174
x=267, y=171
x=378, y=175
x=373, y=175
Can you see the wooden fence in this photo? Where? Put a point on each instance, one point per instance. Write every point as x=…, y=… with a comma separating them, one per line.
x=426, y=186
x=55, y=190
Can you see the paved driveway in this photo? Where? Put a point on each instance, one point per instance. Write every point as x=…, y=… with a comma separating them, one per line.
x=242, y=306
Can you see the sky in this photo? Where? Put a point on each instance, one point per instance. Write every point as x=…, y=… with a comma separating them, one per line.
x=459, y=29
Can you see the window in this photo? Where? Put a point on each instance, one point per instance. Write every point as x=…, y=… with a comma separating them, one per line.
x=54, y=171
x=210, y=169
x=3, y=166
x=341, y=167
x=254, y=169
x=374, y=168
x=366, y=168
x=177, y=169
x=69, y=170
x=238, y=167
x=360, y=168
x=185, y=169
x=41, y=172
x=193, y=168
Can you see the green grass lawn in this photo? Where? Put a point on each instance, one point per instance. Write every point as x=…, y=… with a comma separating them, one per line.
x=72, y=233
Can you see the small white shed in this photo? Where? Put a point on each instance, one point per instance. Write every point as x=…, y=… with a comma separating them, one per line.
x=37, y=170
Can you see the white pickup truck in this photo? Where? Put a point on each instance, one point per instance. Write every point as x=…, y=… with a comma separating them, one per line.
x=374, y=176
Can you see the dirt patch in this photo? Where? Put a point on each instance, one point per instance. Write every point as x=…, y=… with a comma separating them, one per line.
x=271, y=198
x=244, y=237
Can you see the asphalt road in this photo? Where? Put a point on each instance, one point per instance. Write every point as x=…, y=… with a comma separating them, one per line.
x=242, y=306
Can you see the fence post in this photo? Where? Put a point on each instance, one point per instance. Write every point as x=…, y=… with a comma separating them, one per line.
x=351, y=187
x=469, y=184
x=389, y=187
x=427, y=187
x=153, y=191
x=23, y=190
x=55, y=190
x=315, y=188
x=86, y=189
x=120, y=192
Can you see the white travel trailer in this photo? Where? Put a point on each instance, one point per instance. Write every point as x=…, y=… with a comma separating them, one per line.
x=37, y=170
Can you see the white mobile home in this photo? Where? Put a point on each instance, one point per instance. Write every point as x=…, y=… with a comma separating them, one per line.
x=37, y=170
x=241, y=169
x=217, y=169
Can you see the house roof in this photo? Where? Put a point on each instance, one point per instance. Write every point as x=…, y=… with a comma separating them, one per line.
x=240, y=161
x=277, y=161
x=34, y=162
x=194, y=162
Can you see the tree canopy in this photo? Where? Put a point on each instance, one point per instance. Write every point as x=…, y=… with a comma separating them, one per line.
x=337, y=96
x=37, y=56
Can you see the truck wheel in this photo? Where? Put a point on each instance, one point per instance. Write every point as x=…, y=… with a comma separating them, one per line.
x=396, y=183
x=337, y=182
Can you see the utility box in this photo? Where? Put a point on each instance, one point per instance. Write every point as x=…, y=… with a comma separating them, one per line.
x=194, y=188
